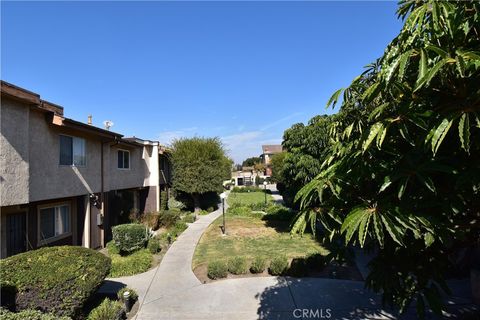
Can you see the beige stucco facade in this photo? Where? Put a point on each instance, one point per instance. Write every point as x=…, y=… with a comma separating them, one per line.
x=31, y=176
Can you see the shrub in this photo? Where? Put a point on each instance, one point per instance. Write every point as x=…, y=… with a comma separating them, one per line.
x=210, y=209
x=177, y=229
x=258, y=265
x=246, y=189
x=189, y=218
x=129, y=237
x=163, y=200
x=298, y=267
x=154, y=245
x=168, y=218
x=137, y=262
x=175, y=204
x=133, y=293
x=107, y=310
x=56, y=280
x=276, y=212
x=278, y=265
x=203, y=212
x=151, y=220
x=316, y=261
x=29, y=314
x=237, y=265
x=217, y=270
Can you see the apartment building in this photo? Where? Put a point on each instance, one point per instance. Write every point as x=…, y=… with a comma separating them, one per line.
x=68, y=182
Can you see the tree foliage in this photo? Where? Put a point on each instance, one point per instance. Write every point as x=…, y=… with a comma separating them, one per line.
x=277, y=167
x=250, y=162
x=200, y=165
x=400, y=168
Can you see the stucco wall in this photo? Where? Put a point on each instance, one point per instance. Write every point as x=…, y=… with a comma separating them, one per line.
x=50, y=180
x=126, y=178
x=14, y=167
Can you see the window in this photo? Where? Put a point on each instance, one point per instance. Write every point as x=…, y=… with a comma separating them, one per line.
x=72, y=151
x=54, y=221
x=123, y=159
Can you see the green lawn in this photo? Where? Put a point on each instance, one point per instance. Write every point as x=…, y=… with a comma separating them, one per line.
x=251, y=237
x=247, y=198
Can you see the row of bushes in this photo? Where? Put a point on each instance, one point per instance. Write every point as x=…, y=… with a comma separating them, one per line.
x=249, y=189
x=298, y=267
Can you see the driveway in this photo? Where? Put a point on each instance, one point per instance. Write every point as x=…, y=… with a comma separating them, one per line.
x=172, y=291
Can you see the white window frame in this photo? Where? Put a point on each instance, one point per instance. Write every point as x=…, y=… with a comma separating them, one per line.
x=73, y=164
x=123, y=159
x=41, y=240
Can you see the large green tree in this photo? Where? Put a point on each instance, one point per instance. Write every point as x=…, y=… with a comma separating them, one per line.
x=252, y=161
x=401, y=174
x=200, y=165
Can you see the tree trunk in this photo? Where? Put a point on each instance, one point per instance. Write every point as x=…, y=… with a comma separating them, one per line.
x=196, y=202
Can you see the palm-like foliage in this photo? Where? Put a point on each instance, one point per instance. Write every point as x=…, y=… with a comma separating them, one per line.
x=401, y=170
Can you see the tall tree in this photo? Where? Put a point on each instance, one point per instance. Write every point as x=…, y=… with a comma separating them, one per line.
x=401, y=173
x=200, y=165
x=250, y=162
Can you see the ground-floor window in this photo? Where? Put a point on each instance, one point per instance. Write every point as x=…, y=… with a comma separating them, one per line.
x=54, y=221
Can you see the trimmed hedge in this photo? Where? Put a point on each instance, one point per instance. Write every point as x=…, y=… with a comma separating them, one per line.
x=278, y=266
x=130, y=237
x=258, y=265
x=217, y=270
x=107, y=310
x=29, y=314
x=56, y=280
x=237, y=265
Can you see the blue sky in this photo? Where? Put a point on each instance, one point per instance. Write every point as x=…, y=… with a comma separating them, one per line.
x=242, y=71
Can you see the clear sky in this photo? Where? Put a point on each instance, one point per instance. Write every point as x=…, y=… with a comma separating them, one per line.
x=242, y=71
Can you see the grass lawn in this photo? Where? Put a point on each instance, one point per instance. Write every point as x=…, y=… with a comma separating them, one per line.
x=247, y=198
x=251, y=237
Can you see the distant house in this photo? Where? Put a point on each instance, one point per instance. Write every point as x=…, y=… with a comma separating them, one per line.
x=68, y=182
x=267, y=152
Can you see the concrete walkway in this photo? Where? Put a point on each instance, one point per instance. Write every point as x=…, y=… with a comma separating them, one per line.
x=171, y=291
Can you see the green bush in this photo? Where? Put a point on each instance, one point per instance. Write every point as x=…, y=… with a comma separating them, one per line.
x=163, y=200
x=316, y=261
x=298, y=267
x=168, y=218
x=278, y=266
x=154, y=245
x=107, y=310
x=56, y=280
x=277, y=212
x=29, y=314
x=177, y=229
x=246, y=189
x=217, y=270
x=127, y=265
x=129, y=237
x=189, y=218
x=175, y=204
x=133, y=293
x=203, y=212
x=258, y=265
x=151, y=220
x=237, y=265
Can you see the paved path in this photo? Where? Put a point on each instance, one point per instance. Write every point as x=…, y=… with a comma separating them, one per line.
x=171, y=291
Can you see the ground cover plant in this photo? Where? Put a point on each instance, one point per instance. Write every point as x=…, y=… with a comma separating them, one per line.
x=127, y=265
x=57, y=280
x=397, y=168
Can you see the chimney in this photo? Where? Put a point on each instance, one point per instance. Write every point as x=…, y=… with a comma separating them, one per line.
x=89, y=119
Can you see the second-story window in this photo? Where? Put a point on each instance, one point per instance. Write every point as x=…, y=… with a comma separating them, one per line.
x=123, y=159
x=72, y=151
